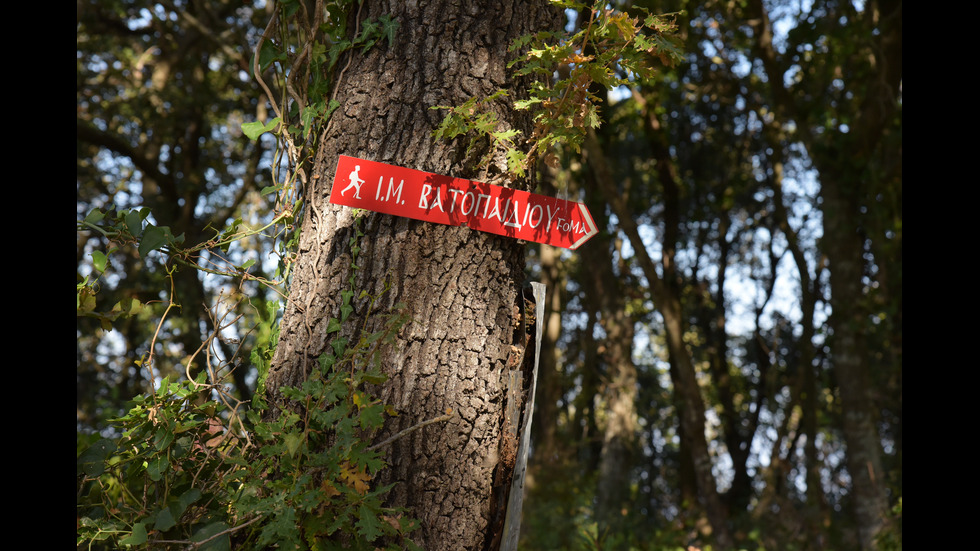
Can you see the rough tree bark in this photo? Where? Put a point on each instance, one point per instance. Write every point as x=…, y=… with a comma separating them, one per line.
x=460, y=286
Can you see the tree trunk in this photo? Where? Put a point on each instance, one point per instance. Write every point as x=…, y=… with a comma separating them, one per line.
x=459, y=286
x=845, y=159
x=666, y=295
x=852, y=363
x=619, y=424
x=620, y=427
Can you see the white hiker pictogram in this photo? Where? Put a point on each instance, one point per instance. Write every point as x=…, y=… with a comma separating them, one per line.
x=355, y=182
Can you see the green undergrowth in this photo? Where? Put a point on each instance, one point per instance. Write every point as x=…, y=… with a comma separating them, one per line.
x=187, y=472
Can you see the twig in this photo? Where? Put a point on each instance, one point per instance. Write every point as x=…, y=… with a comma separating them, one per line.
x=413, y=428
x=156, y=333
x=255, y=63
x=196, y=544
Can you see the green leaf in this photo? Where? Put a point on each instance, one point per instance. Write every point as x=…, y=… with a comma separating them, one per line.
x=153, y=238
x=163, y=437
x=138, y=537
x=331, y=107
x=126, y=307
x=255, y=129
x=339, y=345
x=267, y=54
x=371, y=416
x=177, y=508
x=327, y=361
x=369, y=34
x=281, y=531
x=505, y=135
x=592, y=117
x=99, y=260
x=293, y=442
x=134, y=222
x=373, y=377
x=164, y=520
x=388, y=28
x=336, y=49
x=92, y=461
x=306, y=117
x=229, y=234
x=218, y=544
x=155, y=468
x=318, y=52
x=515, y=161
x=94, y=216
x=368, y=525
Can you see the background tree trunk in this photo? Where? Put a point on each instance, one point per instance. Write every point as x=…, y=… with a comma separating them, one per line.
x=666, y=296
x=549, y=389
x=459, y=286
x=617, y=415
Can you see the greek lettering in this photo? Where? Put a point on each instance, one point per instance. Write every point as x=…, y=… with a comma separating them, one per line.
x=452, y=203
x=496, y=209
x=515, y=223
x=487, y=204
x=551, y=216
x=462, y=204
x=529, y=218
x=424, y=201
x=397, y=191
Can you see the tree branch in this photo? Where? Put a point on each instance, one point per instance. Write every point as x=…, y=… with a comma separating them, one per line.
x=409, y=430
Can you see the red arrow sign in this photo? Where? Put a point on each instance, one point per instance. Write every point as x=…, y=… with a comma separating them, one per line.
x=431, y=197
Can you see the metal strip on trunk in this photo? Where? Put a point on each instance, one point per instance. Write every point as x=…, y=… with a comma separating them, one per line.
x=515, y=501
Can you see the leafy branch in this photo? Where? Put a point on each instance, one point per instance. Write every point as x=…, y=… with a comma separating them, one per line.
x=613, y=48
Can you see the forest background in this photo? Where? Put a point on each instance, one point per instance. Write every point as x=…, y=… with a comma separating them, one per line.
x=721, y=364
